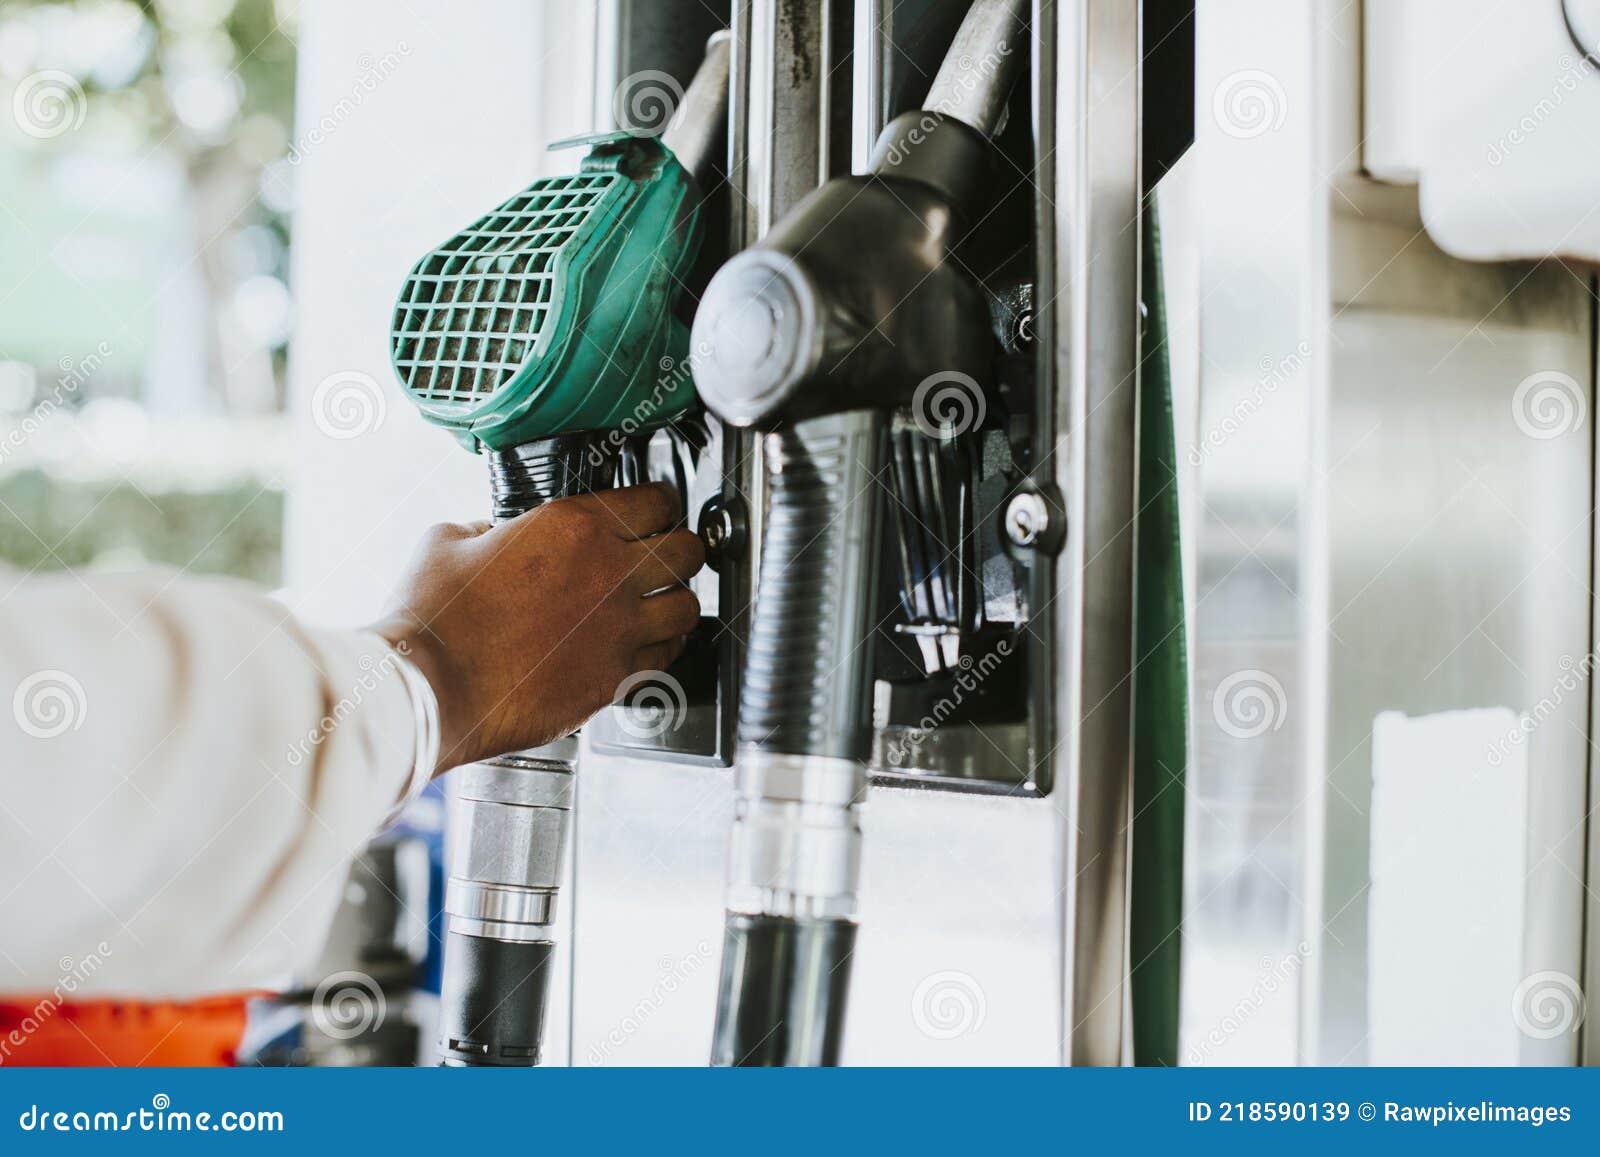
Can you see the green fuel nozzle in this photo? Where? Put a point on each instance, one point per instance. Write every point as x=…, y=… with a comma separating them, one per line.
x=553, y=313
x=545, y=333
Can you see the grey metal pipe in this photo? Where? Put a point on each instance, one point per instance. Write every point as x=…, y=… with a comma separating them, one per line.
x=975, y=80
x=697, y=133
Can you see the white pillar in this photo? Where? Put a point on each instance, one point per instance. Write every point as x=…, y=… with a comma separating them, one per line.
x=412, y=120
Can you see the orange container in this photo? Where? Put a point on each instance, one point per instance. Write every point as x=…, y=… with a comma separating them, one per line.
x=124, y=1033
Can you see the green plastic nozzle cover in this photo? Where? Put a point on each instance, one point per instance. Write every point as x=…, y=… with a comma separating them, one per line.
x=553, y=313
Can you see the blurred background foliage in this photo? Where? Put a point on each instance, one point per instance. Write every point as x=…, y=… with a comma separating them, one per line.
x=145, y=204
x=233, y=529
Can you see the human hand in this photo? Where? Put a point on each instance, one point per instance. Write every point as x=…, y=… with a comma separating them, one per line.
x=528, y=628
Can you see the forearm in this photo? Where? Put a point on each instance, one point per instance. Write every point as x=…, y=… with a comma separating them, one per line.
x=189, y=772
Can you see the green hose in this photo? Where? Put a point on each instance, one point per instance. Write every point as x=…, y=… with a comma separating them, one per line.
x=1160, y=694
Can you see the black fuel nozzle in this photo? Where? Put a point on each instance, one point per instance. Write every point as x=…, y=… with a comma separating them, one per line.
x=852, y=299
x=818, y=333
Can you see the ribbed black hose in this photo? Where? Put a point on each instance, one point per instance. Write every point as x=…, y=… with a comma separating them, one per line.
x=532, y=474
x=807, y=677
x=784, y=983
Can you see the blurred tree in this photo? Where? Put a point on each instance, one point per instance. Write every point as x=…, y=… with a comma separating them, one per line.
x=47, y=524
x=142, y=148
x=209, y=84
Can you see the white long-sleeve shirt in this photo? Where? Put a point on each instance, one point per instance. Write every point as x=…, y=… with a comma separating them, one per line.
x=185, y=776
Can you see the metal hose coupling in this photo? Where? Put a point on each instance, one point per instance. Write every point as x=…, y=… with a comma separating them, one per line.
x=511, y=816
x=795, y=849
x=794, y=867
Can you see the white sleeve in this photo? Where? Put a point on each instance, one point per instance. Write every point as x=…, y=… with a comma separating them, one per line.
x=185, y=776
